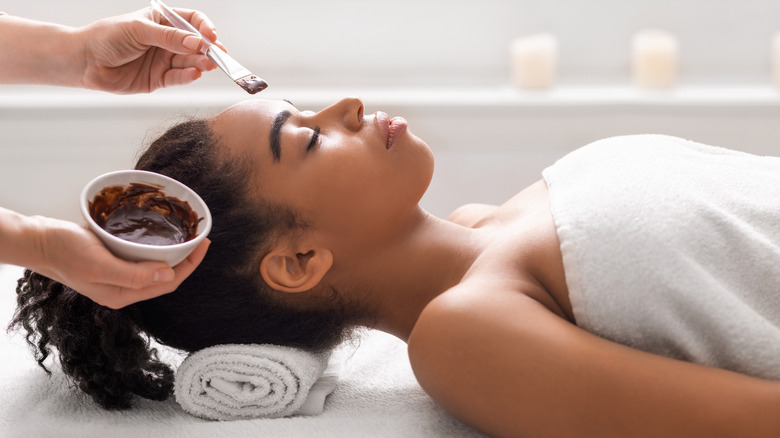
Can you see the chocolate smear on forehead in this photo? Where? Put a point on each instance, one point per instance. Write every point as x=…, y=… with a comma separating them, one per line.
x=142, y=213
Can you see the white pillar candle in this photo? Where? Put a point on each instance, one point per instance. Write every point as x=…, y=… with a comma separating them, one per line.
x=776, y=59
x=534, y=60
x=654, y=59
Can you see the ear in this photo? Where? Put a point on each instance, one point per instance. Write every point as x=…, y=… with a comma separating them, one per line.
x=289, y=271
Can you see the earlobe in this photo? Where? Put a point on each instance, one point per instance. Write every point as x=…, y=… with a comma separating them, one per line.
x=287, y=271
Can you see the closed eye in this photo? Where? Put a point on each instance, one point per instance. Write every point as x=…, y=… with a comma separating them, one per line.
x=314, y=139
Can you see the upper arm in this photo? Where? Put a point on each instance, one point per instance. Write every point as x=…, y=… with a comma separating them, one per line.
x=509, y=367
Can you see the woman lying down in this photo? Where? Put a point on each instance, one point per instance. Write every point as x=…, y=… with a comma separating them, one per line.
x=630, y=292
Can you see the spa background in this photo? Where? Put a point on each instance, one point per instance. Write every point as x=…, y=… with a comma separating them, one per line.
x=442, y=64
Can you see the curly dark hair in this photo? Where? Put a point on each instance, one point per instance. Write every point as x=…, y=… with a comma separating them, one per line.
x=107, y=352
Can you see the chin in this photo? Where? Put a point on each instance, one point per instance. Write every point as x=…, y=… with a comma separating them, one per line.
x=418, y=144
x=426, y=170
x=419, y=159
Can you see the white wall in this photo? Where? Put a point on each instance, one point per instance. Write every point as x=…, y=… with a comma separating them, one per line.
x=460, y=42
x=441, y=64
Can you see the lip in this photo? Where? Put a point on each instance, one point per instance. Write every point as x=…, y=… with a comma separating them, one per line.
x=391, y=128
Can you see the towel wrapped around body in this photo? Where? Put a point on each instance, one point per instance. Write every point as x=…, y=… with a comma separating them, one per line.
x=673, y=247
x=231, y=382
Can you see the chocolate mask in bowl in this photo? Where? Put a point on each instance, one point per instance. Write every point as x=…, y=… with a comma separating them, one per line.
x=142, y=213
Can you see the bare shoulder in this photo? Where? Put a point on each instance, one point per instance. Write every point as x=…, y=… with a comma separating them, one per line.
x=443, y=317
x=465, y=315
x=470, y=215
x=473, y=356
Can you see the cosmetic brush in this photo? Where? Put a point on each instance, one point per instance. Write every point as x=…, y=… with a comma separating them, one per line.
x=238, y=73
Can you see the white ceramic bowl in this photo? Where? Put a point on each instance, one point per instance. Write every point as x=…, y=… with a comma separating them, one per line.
x=170, y=254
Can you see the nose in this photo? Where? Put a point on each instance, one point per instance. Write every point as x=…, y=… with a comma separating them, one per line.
x=347, y=111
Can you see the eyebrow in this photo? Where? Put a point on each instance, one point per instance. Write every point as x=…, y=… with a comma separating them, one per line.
x=275, y=137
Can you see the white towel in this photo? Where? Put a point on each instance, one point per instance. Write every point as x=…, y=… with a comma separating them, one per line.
x=673, y=247
x=231, y=382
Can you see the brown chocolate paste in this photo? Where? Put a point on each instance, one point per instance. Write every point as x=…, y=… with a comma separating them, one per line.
x=252, y=84
x=142, y=213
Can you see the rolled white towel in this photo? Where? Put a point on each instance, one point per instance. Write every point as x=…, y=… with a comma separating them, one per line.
x=232, y=382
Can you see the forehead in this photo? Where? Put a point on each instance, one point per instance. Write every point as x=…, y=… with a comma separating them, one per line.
x=251, y=112
x=247, y=123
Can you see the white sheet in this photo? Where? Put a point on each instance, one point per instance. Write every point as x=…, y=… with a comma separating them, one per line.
x=377, y=396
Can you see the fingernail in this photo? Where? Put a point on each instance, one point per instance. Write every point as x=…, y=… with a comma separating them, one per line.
x=191, y=42
x=164, y=275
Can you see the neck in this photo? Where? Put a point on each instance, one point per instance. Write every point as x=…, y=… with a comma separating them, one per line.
x=431, y=256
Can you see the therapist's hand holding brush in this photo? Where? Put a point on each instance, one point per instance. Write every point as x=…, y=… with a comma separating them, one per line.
x=133, y=53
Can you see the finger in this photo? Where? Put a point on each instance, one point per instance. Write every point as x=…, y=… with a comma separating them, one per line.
x=201, y=62
x=131, y=275
x=182, y=76
x=199, y=21
x=116, y=283
x=150, y=33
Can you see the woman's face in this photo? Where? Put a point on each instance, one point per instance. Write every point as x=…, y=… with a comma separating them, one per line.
x=353, y=176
